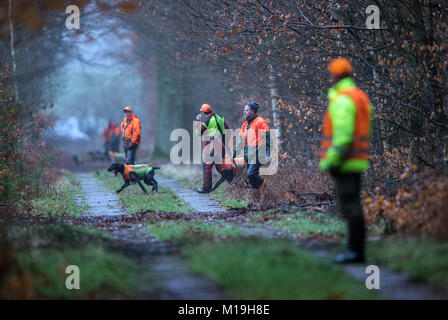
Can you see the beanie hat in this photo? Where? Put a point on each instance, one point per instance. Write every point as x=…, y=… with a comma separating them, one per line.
x=340, y=66
x=253, y=105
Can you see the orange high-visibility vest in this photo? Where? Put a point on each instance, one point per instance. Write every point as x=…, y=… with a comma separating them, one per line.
x=359, y=148
x=131, y=129
x=254, y=137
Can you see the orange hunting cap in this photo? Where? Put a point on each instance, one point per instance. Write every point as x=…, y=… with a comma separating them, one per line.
x=206, y=108
x=127, y=108
x=340, y=66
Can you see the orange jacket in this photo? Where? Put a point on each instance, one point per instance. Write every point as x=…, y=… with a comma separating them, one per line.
x=111, y=131
x=255, y=136
x=359, y=148
x=131, y=130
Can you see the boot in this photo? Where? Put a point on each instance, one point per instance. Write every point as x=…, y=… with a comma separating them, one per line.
x=349, y=257
x=356, y=234
x=356, y=239
x=206, y=178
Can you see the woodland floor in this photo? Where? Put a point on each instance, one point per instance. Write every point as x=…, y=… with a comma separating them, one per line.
x=178, y=244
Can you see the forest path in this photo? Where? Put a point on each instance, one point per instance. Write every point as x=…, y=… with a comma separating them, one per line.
x=172, y=278
x=395, y=285
x=201, y=203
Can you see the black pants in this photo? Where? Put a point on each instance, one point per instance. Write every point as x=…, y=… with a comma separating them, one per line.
x=106, y=148
x=254, y=176
x=130, y=152
x=348, y=188
x=207, y=176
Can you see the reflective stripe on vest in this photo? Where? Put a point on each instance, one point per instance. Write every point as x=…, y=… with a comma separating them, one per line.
x=359, y=147
x=140, y=169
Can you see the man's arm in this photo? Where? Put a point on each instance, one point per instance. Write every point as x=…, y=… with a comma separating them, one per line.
x=137, y=131
x=342, y=113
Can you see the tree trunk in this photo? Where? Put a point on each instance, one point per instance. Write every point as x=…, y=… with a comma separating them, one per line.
x=13, y=53
x=275, y=102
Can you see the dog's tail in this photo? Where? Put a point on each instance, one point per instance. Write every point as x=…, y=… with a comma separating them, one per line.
x=155, y=168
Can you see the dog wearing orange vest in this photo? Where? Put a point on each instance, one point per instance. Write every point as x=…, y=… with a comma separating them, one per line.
x=135, y=173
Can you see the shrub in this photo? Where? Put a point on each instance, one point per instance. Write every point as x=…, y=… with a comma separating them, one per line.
x=418, y=205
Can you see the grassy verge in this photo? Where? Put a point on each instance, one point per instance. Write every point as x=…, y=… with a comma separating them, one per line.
x=273, y=269
x=61, y=200
x=424, y=259
x=101, y=272
x=193, y=230
x=136, y=201
x=42, y=253
x=191, y=177
x=301, y=224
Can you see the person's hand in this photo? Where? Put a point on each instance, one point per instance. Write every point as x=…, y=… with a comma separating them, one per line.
x=198, y=117
x=333, y=170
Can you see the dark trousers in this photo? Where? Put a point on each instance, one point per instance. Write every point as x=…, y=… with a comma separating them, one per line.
x=253, y=175
x=130, y=152
x=106, y=148
x=347, y=189
x=207, y=176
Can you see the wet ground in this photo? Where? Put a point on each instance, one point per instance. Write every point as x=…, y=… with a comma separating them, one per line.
x=172, y=277
x=199, y=202
x=174, y=280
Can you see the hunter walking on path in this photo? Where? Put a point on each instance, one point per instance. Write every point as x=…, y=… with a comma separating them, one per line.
x=253, y=135
x=213, y=126
x=131, y=128
x=344, y=151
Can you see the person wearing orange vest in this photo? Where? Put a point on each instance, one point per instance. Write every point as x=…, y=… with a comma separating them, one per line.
x=111, y=135
x=344, y=151
x=107, y=133
x=213, y=125
x=114, y=137
x=254, y=133
x=131, y=129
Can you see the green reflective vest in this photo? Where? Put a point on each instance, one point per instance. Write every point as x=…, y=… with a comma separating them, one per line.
x=212, y=126
x=342, y=111
x=142, y=170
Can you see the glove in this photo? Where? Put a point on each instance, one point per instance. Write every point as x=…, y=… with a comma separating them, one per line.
x=333, y=170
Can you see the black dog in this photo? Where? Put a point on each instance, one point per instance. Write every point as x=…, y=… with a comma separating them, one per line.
x=135, y=173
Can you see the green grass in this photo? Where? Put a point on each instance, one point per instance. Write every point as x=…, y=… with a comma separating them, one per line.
x=55, y=235
x=273, y=269
x=43, y=251
x=177, y=230
x=423, y=259
x=135, y=200
x=227, y=200
x=61, y=200
x=191, y=178
x=101, y=272
x=301, y=224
